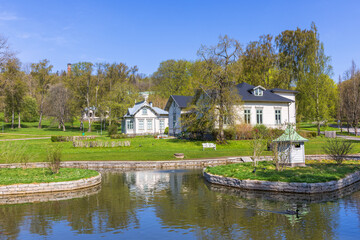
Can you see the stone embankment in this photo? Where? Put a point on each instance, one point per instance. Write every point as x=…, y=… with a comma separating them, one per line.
x=291, y=187
x=50, y=187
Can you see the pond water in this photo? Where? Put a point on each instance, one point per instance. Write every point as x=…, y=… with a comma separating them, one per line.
x=179, y=204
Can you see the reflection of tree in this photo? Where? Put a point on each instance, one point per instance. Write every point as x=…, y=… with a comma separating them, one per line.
x=111, y=209
x=216, y=215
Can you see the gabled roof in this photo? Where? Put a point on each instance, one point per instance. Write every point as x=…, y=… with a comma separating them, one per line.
x=290, y=135
x=181, y=101
x=283, y=90
x=246, y=92
x=139, y=105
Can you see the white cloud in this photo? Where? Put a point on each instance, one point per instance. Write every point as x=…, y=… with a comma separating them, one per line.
x=7, y=16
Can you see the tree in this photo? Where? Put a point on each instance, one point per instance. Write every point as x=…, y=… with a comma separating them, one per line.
x=57, y=104
x=259, y=64
x=82, y=85
x=14, y=88
x=5, y=52
x=41, y=72
x=219, y=80
x=173, y=78
x=350, y=97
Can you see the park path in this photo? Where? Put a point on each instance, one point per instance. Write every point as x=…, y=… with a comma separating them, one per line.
x=23, y=139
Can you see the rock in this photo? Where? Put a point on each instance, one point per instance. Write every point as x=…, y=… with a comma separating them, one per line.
x=179, y=155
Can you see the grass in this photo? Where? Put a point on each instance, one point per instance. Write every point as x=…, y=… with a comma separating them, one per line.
x=313, y=127
x=141, y=149
x=42, y=175
x=316, y=171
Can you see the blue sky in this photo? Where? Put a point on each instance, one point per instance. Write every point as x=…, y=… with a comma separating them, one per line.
x=144, y=33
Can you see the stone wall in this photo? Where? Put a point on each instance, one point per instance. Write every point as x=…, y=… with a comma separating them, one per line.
x=284, y=186
x=50, y=187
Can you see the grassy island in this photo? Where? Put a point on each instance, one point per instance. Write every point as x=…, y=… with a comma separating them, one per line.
x=10, y=176
x=315, y=172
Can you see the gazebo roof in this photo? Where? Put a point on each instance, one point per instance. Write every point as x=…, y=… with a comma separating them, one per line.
x=290, y=135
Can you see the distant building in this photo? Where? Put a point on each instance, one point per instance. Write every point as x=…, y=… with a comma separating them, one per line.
x=144, y=118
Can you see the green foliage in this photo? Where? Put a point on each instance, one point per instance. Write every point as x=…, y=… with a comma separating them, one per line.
x=29, y=112
x=260, y=131
x=112, y=129
x=307, y=134
x=166, y=130
x=313, y=173
x=337, y=149
x=119, y=136
x=230, y=133
x=15, y=153
x=10, y=176
x=54, y=158
x=60, y=139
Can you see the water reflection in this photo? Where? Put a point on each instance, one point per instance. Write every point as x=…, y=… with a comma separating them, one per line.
x=179, y=204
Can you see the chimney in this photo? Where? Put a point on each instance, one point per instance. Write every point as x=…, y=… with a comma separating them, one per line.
x=69, y=69
x=150, y=103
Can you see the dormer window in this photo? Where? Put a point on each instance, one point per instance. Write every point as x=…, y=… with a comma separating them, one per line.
x=144, y=111
x=259, y=91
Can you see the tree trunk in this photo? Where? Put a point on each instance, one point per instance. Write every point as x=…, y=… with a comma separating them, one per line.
x=12, y=119
x=41, y=111
x=19, y=123
x=318, y=128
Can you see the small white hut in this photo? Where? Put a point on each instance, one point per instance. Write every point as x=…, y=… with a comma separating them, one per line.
x=291, y=147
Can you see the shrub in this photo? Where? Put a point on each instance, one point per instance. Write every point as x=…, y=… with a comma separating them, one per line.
x=166, y=130
x=54, y=158
x=119, y=136
x=337, y=149
x=230, y=133
x=112, y=129
x=243, y=131
x=307, y=134
x=260, y=130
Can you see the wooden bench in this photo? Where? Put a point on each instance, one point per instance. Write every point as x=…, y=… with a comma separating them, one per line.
x=209, y=145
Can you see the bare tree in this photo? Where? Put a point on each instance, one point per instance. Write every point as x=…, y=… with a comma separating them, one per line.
x=5, y=52
x=57, y=104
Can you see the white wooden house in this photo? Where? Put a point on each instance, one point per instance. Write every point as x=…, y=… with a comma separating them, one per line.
x=143, y=119
x=176, y=106
x=270, y=107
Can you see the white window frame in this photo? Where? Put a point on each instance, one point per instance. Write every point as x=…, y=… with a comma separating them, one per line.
x=149, y=122
x=130, y=124
x=259, y=116
x=162, y=124
x=277, y=116
x=247, y=116
x=141, y=124
x=144, y=111
x=258, y=92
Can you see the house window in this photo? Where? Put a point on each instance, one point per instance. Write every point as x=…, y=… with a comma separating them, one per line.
x=297, y=145
x=258, y=92
x=226, y=120
x=162, y=124
x=141, y=124
x=130, y=124
x=277, y=117
x=149, y=124
x=259, y=116
x=247, y=116
x=144, y=111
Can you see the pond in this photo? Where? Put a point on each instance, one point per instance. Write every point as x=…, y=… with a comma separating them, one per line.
x=179, y=204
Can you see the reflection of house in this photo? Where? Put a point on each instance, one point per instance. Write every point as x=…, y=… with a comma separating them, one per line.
x=176, y=107
x=143, y=119
x=148, y=181
x=271, y=107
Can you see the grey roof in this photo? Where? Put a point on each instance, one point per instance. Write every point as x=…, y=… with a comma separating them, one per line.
x=132, y=111
x=245, y=91
x=181, y=101
x=283, y=90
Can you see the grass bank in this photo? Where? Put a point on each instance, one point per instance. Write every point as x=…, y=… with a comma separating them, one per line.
x=315, y=171
x=42, y=175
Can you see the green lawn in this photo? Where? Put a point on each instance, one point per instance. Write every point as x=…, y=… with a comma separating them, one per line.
x=40, y=175
x=312, y=127
x=141, y=149
x=314, y=172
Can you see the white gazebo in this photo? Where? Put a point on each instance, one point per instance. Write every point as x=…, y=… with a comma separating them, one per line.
x=291, y=147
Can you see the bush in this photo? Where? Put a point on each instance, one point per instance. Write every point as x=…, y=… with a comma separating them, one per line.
x=261, y=131
x=119, y=136
x=112, y=129
x=230, y=133
x=29, y=111
x=337, y=148
x=307, y=134
x=243, y=131
x=54, y=158
x=166, y=131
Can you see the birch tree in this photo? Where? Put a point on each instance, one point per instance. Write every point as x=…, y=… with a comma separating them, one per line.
x=41, y=73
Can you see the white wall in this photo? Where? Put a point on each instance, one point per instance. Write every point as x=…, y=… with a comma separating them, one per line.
x=174, y=108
